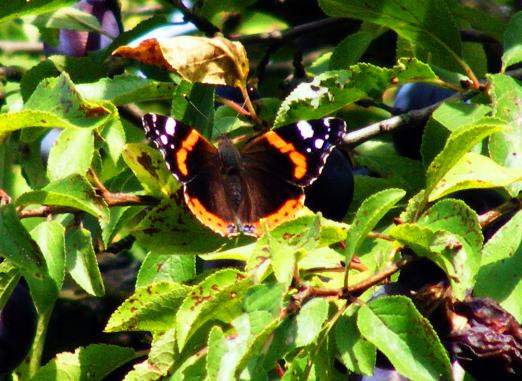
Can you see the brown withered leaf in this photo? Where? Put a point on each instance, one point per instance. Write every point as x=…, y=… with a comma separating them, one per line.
x=215, y=61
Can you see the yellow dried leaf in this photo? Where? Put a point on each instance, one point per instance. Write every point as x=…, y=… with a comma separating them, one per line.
x=215, y=61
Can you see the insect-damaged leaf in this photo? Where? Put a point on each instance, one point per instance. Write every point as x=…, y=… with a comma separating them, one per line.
x=215, y=61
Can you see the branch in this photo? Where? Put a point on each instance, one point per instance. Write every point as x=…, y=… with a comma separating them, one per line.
x=289, y=34
x=399, y=121
x=494, y=214
x=21, y=46
x=200, y=22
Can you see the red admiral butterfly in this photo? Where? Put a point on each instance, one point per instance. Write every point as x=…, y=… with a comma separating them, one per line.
x=230, y=190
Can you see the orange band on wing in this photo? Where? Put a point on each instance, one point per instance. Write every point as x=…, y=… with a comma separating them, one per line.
x=285, y=213
x=186, y=146
x=298, y=159
x=209, y=219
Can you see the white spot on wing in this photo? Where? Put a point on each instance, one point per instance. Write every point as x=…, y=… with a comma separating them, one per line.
x=305, y=129
x=164, y=139
x=170, y=126
x=318, y=143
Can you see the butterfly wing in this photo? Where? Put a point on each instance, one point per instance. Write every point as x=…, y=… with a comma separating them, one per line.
x=195, y=162
x=185, y=150
x=296, y=152
x=269, y=197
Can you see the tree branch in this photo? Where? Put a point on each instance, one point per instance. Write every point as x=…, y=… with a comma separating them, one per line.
x=200, y=22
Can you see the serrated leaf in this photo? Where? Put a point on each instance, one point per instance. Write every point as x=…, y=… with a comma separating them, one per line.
x=161, y=358
x=408, y=340
x=149, y=167
x=475, y=171
x=282, y=257
x=456, y=217
x=170, y=267
x=123, y=89
x=73, y=191
x=59, y=97
x=368, y=215
x=310, y=320
x=502, y=260
x=330, y=91
x=228, y=356
x=512, y=37
x=458, y=143
x=151, y=308
x=357, y=354
x=219, y=296
x=449, y=251
x=90, y=363
x=215, y=61
x=428, y=25
x=505, y=147
x=72, y=143
x=81, y=261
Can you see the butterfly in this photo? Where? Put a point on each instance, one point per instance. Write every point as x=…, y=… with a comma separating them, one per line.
x=230, y=189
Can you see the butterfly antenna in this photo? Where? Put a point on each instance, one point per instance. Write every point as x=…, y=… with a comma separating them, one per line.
x=196, y=108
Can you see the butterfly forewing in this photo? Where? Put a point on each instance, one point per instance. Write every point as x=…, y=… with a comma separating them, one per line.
x=297, y=152
x=185, y=151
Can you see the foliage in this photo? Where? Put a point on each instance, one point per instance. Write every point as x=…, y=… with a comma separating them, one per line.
x=306, y=303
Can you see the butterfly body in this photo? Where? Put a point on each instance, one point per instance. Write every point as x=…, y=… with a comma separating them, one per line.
x=230, y=190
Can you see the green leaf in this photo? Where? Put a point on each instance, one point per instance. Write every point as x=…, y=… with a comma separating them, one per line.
x=219, y=296
x=161, y=358
x=332, y=90
x=512, y=37
x=475, y=171
x=349, y=51
x=310, y=320
x=357, y=354
x=505, y=147
x=114, y=138
x=18, y=246
x=73, y=191
x=50, y=237
x=59, y=97
x=149, y=167
x=123, y=89
x=450, y=116
x=382, y=158
x=397, y=329
x=151, y=308
x=499, y=276
x=282, y=257
x=81, y=261
x=9, y=277
x=17, y=8
x=228, y=356
x=265, y=297
x=428, y=25
x=449, y=251
x=68, y=18
x=458, y=143
x=193, y=104
x=368, y=215
x=171, y=229
x=72, y=143
x=211, y=8
x=94, y=362
x=456, y=217
x=170, y=267
x=327, y=93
